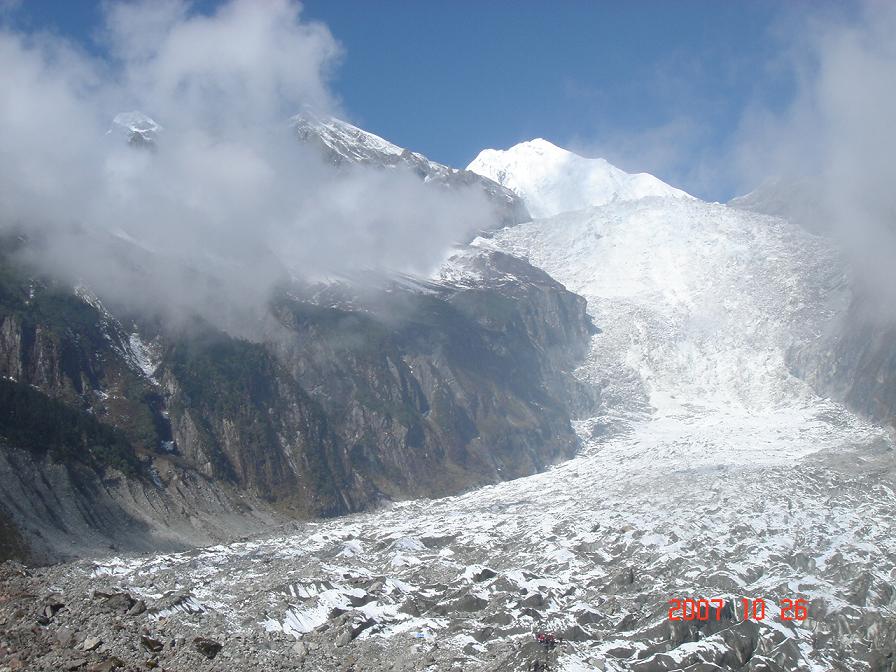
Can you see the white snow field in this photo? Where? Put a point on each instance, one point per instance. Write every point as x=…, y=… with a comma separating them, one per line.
x=707, y=471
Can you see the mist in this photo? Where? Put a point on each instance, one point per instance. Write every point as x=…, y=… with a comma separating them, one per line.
x=821, y=148
x=227, y=203
x=837, y=135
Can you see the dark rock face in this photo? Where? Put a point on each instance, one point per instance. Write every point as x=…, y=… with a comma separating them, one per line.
x=856, y=362
x=401, y=389
x=406, y=391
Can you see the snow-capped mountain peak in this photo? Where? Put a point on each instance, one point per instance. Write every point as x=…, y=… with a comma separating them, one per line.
x=539, y=146
x=551, y=180
x=339, y=136
x=344, y=144
x=136, y=126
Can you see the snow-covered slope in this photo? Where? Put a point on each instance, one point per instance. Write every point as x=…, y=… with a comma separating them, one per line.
x=698, y=303
x=345, y=140
x=345, y=144
x=800, y=200
x=552, y=180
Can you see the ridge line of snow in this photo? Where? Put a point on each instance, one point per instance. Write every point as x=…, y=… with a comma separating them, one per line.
x=551, y=180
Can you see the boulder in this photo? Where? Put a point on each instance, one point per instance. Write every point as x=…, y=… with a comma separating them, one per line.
x=534, y=600
x=469, y=602
x=138, y=608
x=484, y=575
x=91, y=643
x=150, y=644
x=207, y=647
x=114, y=601
x=113, y=663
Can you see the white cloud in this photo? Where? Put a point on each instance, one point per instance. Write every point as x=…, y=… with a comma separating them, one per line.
x=230, y=203
x=839, y=132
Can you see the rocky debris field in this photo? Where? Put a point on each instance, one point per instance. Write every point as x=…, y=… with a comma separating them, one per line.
x=590, y=551
x=42, y=628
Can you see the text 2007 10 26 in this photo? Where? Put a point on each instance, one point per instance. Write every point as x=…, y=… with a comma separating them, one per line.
x=750, y=609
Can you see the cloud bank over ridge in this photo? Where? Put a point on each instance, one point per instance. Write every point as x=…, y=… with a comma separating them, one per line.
x=229, y=203
x=837, y=136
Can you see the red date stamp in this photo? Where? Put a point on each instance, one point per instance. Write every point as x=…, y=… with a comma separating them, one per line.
x=750, y=609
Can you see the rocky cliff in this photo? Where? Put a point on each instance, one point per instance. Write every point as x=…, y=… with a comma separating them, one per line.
x=357, y=393
x=855, y=362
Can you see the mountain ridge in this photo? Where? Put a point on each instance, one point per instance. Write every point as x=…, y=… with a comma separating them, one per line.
x=352, y=393
x=343, y=143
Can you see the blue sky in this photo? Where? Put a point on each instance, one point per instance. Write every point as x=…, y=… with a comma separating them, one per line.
x=604, y=78
x=655, y=85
